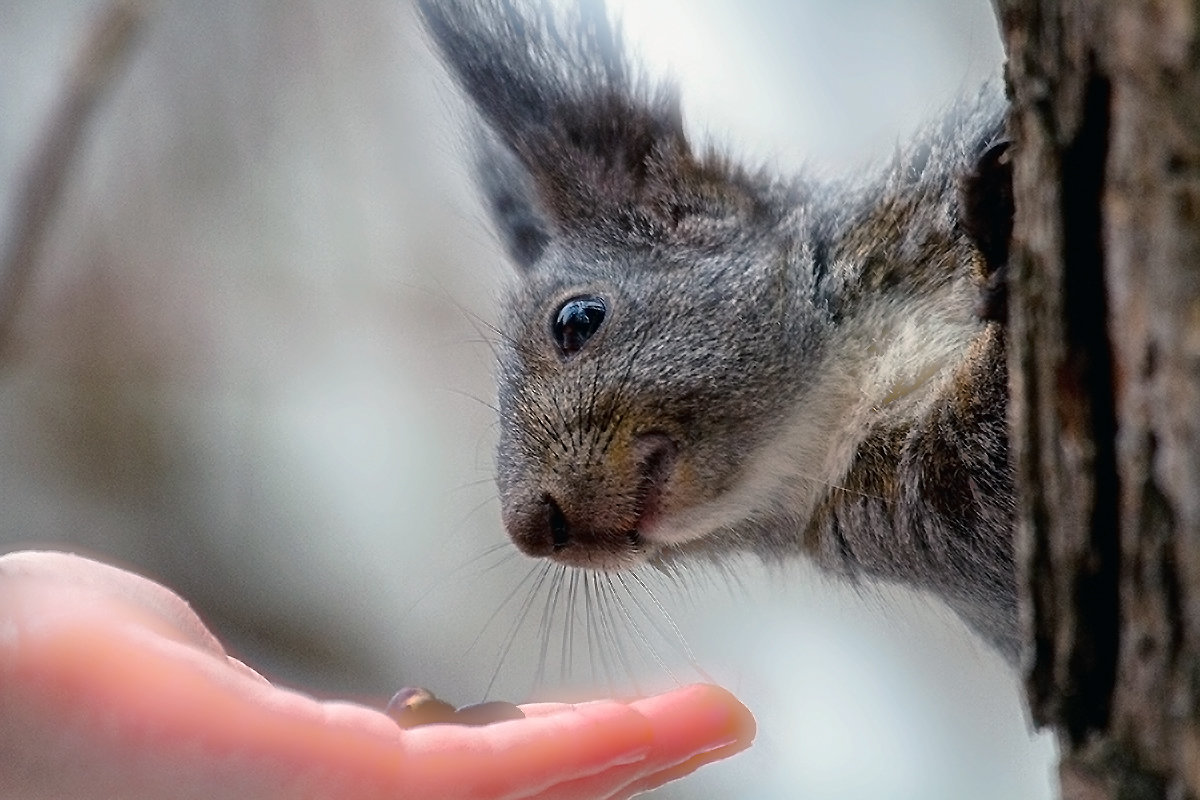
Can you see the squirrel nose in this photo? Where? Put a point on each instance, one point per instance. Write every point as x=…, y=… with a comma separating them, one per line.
x=560, y=529
x=548, y=530
x=545, y=528
x=540, y=527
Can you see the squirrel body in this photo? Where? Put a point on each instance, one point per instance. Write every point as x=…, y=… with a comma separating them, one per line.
x=698, y=359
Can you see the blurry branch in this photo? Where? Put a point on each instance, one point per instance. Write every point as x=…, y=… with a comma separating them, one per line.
x=105, y=49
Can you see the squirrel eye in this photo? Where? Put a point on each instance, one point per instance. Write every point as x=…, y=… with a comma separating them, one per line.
x=577, y=321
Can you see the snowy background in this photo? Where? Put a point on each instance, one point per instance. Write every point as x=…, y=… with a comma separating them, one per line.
x=248, y=366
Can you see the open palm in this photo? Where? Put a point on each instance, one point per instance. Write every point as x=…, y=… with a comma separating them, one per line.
x=110, y=686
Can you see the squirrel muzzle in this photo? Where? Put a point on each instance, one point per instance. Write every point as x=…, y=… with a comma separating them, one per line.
x=595, y=514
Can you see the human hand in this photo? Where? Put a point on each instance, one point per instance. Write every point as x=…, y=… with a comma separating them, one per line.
x=110, y=686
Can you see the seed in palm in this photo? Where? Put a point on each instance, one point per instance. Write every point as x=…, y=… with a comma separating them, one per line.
x=411, y=707
x=487, y=713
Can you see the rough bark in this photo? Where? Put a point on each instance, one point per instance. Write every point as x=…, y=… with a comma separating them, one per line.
x=1105, y=356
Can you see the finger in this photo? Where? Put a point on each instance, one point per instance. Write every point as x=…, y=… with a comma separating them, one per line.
x=678, y=771
x=626, y=782
x=152, y=604
x=692, y=726
x=105, y=695
x=59, y=584
x=694, y=720
x=526, y=758
x=544, y=709
x=540, y=709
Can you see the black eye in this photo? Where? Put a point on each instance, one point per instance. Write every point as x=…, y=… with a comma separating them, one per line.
x=577, y=321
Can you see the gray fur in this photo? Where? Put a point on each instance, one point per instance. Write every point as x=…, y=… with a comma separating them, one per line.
x=785, y=367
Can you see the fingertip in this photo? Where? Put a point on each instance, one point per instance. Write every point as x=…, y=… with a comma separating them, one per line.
x=742, y=722
x=702, y=710
x=688, y=728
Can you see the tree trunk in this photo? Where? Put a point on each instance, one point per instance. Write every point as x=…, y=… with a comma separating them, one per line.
x=1105, y=362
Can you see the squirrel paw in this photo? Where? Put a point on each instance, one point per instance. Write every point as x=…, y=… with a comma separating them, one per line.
x=987, y=209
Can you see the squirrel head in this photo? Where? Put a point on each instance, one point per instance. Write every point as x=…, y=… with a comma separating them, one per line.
x=656, y=288
x=670, y=308
x=623, y=350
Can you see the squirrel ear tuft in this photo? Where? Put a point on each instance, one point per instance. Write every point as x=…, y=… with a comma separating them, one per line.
x=576, y=141
x=511, y=200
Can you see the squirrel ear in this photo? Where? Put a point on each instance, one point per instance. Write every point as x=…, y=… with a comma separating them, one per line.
x=510, y=197
x=578, y=142
x=986, y=203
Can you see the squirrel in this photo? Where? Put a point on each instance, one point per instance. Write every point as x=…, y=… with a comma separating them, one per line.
x=698, y=358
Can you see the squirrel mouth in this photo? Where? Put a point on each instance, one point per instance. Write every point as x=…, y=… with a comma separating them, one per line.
x=547, y=530
x=654, y=471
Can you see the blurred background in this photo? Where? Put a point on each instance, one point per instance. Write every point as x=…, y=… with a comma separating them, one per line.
x=249, y=365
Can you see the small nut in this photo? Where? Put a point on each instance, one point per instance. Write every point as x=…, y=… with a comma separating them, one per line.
x=413, y=706
x=487, y=713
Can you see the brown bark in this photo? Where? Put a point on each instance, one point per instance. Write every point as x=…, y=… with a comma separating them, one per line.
x=1105, y=356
